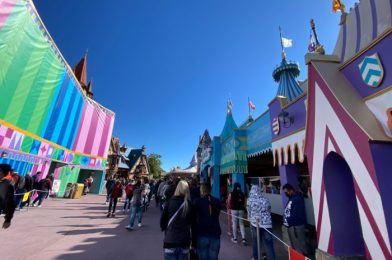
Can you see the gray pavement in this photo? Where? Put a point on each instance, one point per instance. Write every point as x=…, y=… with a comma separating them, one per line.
x=79, y=229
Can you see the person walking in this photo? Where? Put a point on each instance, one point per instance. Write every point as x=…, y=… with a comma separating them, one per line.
x=136, y=206
x=238, y=210
x=229, y=218
x=207, y=228
x=160, y=192
x=114, y=195
x=294, y=219
x=259, y=211
x=128, y=193
x=176, y=221
x=109, y=188
x=44, y=186
x=7, y=203
x=156, y=196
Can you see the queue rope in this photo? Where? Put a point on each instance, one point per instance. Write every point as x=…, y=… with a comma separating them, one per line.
x=225, y=212
x=32, y=191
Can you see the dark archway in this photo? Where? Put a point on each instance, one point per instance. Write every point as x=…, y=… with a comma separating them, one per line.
x=347, y=238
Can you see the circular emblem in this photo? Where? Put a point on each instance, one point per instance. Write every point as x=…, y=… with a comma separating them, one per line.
x=275, y=126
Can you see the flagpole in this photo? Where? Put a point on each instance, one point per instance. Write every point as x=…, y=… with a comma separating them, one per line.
x=249, y=106
x=280, y=35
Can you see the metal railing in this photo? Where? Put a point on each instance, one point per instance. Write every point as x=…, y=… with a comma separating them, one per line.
x=258, y=233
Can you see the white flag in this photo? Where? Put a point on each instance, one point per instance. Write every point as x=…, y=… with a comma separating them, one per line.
x=287, y=43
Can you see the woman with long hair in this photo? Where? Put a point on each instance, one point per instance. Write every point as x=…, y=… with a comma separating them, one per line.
x=176, y=221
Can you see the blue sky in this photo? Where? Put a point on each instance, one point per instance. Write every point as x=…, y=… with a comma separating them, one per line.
x=167, y=67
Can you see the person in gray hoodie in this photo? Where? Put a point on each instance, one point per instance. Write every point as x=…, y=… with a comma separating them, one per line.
x=259, y=210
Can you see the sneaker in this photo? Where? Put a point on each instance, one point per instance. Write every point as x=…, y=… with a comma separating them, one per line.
x=113, y=215
x=139, y=225
x=39, y=206
x=129, y=228
x=244, y=242
x=234, y=240
x=108, y=215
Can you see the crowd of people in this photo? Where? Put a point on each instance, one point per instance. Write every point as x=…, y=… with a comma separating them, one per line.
x=189, y=213
x=15, y=187
x=190, y=219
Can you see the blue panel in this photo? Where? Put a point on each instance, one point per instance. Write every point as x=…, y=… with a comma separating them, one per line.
x=259, y=135
x=65, y=106
x=57, y=109
x=76, y=123
x=59, y=87
x=71, y=120
x=71, y=107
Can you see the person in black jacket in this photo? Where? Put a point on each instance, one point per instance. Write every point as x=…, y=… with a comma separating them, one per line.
x=207, y=228
x=294, y=218
x=238, y=211
x=176, y=221
x=7, y=202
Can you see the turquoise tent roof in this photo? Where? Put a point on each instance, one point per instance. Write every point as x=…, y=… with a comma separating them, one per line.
x=285, y=74
x=229, y=127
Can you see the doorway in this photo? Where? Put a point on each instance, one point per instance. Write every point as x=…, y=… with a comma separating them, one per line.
x=347, y=238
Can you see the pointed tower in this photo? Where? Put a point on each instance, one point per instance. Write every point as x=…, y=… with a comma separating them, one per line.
x=81, y=71
x=230, y=124
x=81, y=74
x=285, y=75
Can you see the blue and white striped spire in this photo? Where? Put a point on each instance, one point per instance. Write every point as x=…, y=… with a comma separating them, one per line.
x=285, y=75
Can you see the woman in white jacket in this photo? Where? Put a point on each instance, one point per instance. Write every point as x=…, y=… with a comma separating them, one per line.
x=259, y=207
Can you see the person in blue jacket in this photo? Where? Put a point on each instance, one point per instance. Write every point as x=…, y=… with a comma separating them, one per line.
x=294, y=218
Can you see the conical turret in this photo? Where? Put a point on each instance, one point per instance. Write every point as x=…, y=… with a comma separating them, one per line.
x=285, y=75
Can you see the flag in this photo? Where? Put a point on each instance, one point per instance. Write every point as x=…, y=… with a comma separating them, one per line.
x=287, y=43
x=312, y=44
x=251, y=105
x=294, y=255
x=337, y=5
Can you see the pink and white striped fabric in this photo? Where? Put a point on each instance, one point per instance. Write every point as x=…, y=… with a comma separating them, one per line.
x=95, y=131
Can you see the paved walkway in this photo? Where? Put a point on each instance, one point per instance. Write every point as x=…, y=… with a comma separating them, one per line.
x=79, y=229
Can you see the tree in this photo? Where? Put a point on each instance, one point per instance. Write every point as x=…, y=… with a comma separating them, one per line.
x=154, y=162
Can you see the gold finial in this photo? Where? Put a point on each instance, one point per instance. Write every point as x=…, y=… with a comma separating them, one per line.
x=283, y=55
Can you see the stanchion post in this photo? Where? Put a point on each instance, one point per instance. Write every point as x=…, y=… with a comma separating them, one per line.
x=258, y=239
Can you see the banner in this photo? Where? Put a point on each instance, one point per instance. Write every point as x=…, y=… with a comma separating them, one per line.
x=41, y=101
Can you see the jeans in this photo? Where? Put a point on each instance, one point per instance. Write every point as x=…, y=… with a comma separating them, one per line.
x=178, y=253
x=236, y=214
x=136, y=209
x=208, y=248
x=40, y=198
x=268, y=242
x=113, y=203
x=127, y=202
x=19, y=198
x=298, y=239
